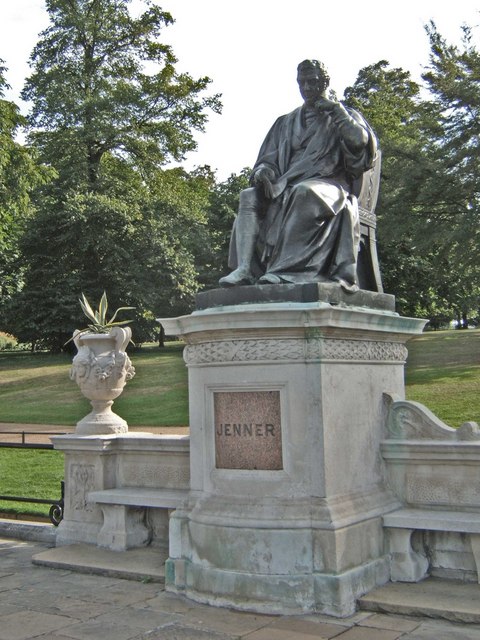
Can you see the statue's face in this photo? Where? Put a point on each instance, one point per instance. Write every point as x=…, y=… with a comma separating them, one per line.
x=312, y=85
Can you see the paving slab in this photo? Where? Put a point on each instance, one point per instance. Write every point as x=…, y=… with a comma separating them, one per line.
x=45, y=603
x=364, y=633
x=309, y=628
x=168, y=602
x=392, y=622
x=27, y=624
x=227, y=621
x=135, y=564
x=448, y=599
x=100, y=630
x=285, y=629
x=284, y=634
x=440, y=630
x=180, y=632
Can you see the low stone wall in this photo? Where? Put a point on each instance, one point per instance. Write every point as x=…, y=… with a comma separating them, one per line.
x=433, y=468
x=97, y=463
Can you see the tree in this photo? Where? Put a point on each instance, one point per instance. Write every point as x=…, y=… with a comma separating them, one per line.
x=108, y=111
x=428, y=207
x=212, y=251
x=390, y=100
x=19, y=174
x=102, y=83
x=145, y=254
x=451, y=196
x=167, y=239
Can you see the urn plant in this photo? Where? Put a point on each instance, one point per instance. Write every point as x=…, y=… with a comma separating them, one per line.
x=101, y=367
x=98, y=318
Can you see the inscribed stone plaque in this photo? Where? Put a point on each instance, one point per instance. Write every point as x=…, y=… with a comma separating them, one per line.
x=247, y=430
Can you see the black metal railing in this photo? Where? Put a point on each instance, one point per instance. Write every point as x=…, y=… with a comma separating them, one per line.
x=56, y=509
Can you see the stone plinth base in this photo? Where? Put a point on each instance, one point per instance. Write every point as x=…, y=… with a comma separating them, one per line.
x=296, y=293
x=276, y=555
x=287, y=482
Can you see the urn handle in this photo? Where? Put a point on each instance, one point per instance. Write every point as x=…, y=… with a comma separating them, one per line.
x=122, y=337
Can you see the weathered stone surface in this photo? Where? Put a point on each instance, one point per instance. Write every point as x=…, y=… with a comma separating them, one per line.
x=306, y=536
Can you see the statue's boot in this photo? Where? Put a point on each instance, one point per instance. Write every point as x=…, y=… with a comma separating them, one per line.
x=270, y=278
x=246, y=233
x=240, y=276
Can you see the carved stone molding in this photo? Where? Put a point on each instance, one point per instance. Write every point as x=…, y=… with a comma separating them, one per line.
x=362, y=350
x=293, y=349
x=408, y=420
x=81, y=482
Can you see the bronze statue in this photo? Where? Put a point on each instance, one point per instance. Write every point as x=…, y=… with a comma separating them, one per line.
x=299, y=220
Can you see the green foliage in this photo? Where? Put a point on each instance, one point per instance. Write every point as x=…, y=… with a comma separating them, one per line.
x=7, y=342
x=212, y=253
x=137, y=242
x=19, y=174
x=103, y=83
x=451, y=189
x=78, y=245
x=108, y=111
x=428, y=218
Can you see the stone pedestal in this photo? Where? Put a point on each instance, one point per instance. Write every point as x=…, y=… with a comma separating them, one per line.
x=287, y=484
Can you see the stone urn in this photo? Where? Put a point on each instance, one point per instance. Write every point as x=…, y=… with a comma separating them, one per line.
x=101, y=369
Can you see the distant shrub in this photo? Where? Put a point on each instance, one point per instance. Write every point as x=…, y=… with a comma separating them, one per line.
x=7, y=342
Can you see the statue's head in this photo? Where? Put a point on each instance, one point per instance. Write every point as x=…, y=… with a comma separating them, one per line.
x=313, y=80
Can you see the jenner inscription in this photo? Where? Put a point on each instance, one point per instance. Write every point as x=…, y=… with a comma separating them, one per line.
x=247, y=430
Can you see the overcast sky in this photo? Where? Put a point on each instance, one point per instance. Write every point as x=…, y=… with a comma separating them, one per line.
x=250, y=49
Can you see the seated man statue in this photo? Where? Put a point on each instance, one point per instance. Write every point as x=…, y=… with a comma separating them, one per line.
x=299, y=221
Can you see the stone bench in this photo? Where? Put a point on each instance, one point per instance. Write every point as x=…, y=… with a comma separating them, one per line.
x=408, y=565
x=123, y=510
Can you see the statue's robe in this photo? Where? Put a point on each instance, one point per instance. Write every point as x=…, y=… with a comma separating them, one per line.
x=310, y=230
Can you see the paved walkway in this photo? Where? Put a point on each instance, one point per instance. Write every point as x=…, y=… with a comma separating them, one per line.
x=59, y=604
x=40, y=433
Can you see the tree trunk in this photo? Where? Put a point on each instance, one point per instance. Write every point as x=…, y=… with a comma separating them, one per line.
x=161, y=337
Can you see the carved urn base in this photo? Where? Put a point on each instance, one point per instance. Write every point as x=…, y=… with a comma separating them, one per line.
x=101, y=420
x=101, y=369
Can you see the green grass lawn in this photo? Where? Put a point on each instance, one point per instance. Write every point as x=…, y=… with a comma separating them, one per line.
x=443, y=372
x=31, y=473
x=35, y=388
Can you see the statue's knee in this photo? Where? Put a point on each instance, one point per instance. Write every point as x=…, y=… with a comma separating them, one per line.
x=248, y=197
x=301, y=190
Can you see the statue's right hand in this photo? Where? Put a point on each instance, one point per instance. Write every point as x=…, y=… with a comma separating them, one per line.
x=263, y=174
x=324, y=105
x=264, y=177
